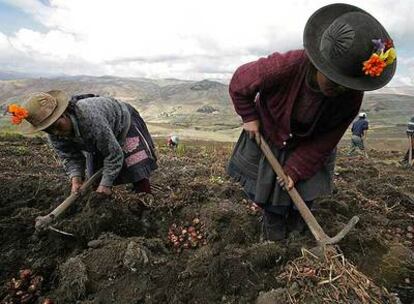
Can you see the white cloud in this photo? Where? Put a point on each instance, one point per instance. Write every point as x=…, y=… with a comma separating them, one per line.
x=399, y=80
x=4, y=43
x=54, y=44
x=183, y=39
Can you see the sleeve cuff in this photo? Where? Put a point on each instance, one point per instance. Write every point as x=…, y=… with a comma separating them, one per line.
x=107, y=181
x=251, y=117
x=292, y=174
x=75, y=174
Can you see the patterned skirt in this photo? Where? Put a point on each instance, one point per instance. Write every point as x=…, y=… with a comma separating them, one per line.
x=139, y=153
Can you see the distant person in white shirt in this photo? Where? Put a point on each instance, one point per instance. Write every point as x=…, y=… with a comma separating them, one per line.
x=173, y=141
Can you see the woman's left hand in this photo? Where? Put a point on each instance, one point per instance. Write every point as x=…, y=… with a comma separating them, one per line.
x=104, y=190
x=282, y=183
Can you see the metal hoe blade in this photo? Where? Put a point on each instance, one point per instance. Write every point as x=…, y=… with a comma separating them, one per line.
x=60, y=231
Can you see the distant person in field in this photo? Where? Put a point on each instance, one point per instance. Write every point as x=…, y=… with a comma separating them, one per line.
x=410, y=152
x=359, y=134
x=302, y=101
x=90, y=132
x=173, y=141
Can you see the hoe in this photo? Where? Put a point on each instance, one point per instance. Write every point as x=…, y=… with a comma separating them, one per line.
x=321, y=237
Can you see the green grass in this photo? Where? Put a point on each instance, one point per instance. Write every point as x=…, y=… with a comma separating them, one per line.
x=180, y=150
x=10, y=136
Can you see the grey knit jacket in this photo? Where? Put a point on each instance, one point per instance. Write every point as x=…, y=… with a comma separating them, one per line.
x=99, y=124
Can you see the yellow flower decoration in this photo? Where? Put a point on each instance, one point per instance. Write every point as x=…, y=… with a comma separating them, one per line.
x=392, y=55
x=384, y=55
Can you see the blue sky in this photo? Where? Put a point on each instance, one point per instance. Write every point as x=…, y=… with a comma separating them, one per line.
x=184, y=39
x=13, y=19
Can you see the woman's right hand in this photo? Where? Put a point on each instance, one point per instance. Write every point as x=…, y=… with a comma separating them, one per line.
x=76, y=184
x=252, y=128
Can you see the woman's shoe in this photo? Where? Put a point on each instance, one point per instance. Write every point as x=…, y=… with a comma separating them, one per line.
x=273, y=226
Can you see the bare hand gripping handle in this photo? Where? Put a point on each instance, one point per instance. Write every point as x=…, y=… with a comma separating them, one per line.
x=42, y=222
x=307, y=215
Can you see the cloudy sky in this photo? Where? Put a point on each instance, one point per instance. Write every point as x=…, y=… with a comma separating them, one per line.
x=186, y=39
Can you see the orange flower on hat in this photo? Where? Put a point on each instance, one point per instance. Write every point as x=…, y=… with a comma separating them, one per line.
x=374, y=65
x=384, y=55
x=18, y=113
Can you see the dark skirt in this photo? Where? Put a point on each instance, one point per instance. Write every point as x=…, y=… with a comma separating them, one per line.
x=139, y=153
x=249, y=167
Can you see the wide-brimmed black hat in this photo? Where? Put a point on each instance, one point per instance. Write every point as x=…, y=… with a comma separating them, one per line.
x=338, y=39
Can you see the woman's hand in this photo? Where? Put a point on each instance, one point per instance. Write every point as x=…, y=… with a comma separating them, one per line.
x=252, y=128
x=282, y=183
x=76, y=184
x=104, y=190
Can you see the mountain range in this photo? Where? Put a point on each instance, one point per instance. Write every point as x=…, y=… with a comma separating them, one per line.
x=194, y=106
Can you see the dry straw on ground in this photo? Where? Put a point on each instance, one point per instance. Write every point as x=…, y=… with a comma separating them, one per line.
x=330, y=279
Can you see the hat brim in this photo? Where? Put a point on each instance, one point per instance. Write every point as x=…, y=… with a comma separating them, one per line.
x=316, y=26
x=62, y=103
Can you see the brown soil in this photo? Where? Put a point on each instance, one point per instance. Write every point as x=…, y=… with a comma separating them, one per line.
x=121, y=252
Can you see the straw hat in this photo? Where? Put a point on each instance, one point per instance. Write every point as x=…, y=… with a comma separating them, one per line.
x=44, y=108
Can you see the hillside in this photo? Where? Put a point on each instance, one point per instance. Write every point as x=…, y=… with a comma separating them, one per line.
x=407, y=90
x=168, y=104
x=388, y=109
x=166, y=100
x=201, y=109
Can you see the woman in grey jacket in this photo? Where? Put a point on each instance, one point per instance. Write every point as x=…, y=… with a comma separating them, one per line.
x=90, y=132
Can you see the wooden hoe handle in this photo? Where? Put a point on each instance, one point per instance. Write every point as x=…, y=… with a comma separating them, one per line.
x=307, y=215
x=42, y=222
